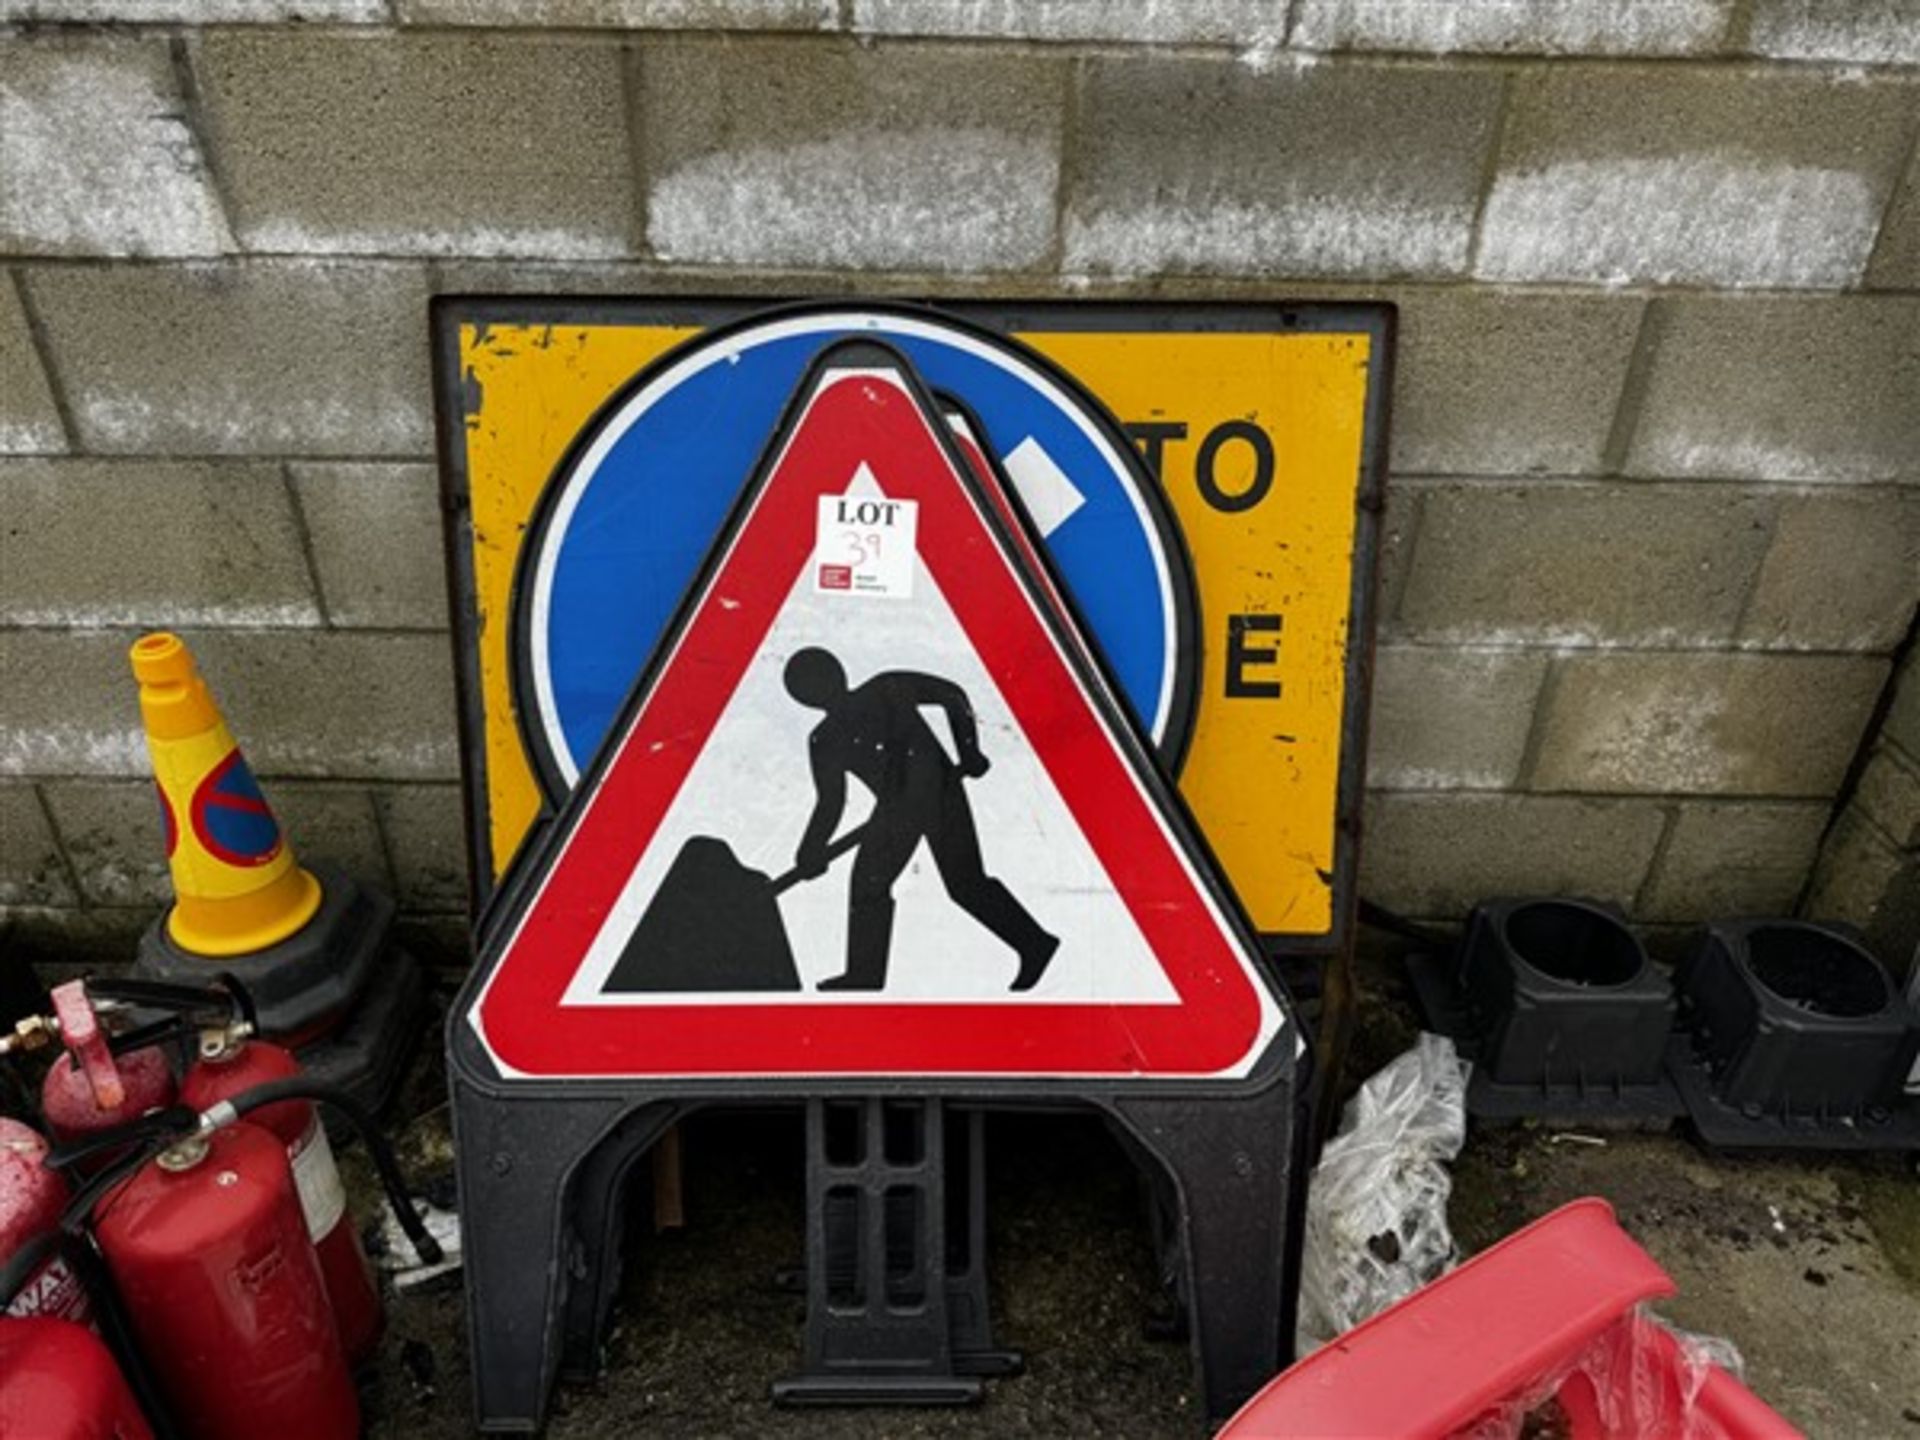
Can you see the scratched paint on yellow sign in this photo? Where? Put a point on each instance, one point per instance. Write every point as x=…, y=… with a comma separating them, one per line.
x=530, y=389
x=1257, y=439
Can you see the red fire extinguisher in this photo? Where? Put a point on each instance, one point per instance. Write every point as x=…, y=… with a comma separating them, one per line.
x=55, y=1386
x=89, y=1089
x=31, y=1200
x=230, y=1064
x=208, y=1248
x=59, y=1382
x=202, y=1231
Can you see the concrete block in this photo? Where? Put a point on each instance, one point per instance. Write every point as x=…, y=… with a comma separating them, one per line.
x=1902, y=724
x=1436, y=855
x=148, y=543
x=1494, y=383
x=65, y=943
x=825, y=153
x=1514, y=27
x=372, y=143
x=1733, y=858
x=97, y=153
x=1889, y=795
x=32, y=871
x=335, y=704
x=1584, y=564
x=1863, y=881
x=1212, y=166
x=1843, y=572
x=1896, y=259
x=425, y=833
x=29, y=419
x=627, y=14
x=376, y=543
x=1628, y=174
x=1257, y=25
x=112, y=833
x=1451, y=718
x=438, y=941
x=197, y=12
x=286, y=357
x=1783, y=388
x=1399, y=531
x=1675, y=723
x=1864, y=32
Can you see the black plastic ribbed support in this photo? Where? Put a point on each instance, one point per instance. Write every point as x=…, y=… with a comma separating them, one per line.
x=896, y=1276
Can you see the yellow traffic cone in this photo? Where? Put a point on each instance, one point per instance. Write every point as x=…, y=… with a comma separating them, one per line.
x=236, y=885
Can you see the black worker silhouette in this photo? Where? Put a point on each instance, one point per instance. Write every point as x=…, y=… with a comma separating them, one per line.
x=875, y=733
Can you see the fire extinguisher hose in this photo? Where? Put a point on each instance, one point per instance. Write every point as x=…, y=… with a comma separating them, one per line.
x=299, y=1087
x=157, y=1130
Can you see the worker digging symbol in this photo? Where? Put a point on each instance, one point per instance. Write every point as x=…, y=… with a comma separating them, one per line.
x=876, y=733
x=715, y=924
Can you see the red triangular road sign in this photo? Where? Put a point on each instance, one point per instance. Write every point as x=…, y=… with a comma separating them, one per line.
x=871, y=653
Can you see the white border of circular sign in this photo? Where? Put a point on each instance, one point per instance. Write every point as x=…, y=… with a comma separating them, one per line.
x=614, y=428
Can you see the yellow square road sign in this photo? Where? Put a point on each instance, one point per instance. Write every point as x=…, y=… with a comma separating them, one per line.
x=1263, y=426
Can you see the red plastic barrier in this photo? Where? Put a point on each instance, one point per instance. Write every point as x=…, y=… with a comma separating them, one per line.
x=1550, y=1310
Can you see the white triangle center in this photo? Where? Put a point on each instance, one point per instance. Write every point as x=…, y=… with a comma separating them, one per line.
x=751, y=786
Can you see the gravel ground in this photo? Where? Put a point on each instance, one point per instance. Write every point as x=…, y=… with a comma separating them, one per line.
x=1811, y=1267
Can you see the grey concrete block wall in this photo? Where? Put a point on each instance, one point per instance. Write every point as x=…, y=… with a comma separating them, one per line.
x=1781, y=388
x=1205, y=166
x=516, y=147
x=1868, y=871
x=29, y=420
x=1654, y=538
x=374, y=532
x=1615, y=173
x=810, y=153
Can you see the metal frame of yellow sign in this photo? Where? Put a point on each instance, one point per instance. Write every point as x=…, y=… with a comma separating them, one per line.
x=1264, y=425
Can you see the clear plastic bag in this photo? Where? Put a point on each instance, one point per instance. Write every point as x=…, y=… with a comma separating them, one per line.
x=1641, y=1379
x=1377, y=1204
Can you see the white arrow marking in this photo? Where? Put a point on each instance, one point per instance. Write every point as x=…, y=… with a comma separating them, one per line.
x=1050, y=497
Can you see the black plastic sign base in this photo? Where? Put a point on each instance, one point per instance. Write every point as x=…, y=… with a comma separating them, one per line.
x=1685, y=1092
x=1445, y=1012
x=896, y=1305
x=544, y=1180
x=1895, y=1127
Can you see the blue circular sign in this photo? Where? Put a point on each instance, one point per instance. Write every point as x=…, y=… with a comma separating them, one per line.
x=622, y=530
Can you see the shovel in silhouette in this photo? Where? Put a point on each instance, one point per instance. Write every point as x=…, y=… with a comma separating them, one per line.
x=714, y=924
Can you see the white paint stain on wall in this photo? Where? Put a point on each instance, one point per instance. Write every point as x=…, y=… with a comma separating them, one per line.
x=1876, y=32
x=637, y=14
x=1657, y=740
x=96, y=156
x=1238, y=22
x=1352, y=233
x=29, y=437
x=1740, y=455
x=1593, y=27
x=73, y=748
x=236, y=614
x=1695, y=219
x=957, y=200
x=231, y=418
x=291, y=237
